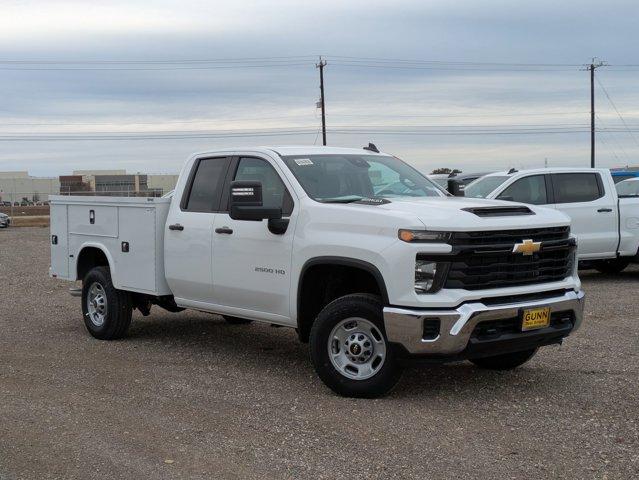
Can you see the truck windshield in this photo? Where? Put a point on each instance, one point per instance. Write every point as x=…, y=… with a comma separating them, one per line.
x=349, y=178
x=482, y=187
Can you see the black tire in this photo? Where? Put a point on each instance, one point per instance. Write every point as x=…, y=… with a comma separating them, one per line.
x=612, y=266
x=507, y=361
x=119, y=309
x=236, y=320
x=368, y=307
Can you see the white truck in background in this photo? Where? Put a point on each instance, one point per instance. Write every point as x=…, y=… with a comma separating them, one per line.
x=606, y=225
x=370, y=262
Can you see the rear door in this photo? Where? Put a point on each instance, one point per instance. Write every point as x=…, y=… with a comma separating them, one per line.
x=593, y=211
x=188, y=248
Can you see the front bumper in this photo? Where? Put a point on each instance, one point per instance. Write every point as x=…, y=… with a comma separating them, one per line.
x=405, y=326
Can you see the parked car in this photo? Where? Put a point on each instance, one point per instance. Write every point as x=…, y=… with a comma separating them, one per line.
x=5, y=220
x=295, y=236
x=440, y=179
x=606, y=225
x=621, y=175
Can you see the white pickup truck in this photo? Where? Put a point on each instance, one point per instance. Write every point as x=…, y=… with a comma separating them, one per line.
x=363, y=255
x=606, y=225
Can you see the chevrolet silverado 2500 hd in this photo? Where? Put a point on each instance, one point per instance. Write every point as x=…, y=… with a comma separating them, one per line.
x=606, y=224
x=362, y=254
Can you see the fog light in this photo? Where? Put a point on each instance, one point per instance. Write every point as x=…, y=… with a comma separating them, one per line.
x=424, y=275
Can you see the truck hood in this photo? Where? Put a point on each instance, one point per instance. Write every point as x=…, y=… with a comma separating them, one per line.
x=451, y=214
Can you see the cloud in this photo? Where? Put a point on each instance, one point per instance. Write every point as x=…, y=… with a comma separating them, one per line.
x=81, y=101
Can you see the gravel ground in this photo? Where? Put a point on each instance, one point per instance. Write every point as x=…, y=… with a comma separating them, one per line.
x=188, y=396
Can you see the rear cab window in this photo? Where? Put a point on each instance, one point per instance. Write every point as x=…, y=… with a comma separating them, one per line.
x=577, y=187
x=205, y=185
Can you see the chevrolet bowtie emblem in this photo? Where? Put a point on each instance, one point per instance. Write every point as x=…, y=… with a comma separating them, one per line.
x=527, y=247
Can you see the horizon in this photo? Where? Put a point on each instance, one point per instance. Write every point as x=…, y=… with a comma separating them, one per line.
x=141, y=86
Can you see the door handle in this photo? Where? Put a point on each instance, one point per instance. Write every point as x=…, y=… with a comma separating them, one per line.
x=226, y=230
x=604, y=210
x=176, y=226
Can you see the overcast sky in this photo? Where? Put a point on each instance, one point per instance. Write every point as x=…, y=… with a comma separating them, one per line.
x=487, y=116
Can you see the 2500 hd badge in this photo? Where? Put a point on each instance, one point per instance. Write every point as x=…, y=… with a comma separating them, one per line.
x=276, y=271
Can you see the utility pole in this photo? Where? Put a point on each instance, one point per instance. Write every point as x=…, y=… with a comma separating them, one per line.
x=321, y=65
x=592, y=67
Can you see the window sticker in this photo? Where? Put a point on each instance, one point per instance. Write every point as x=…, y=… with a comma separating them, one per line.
x=303, y=161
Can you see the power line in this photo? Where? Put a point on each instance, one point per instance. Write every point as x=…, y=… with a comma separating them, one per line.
x=617, y=110
x=169, y=61
x=447, y=62
x=306, y=131
x=453, y=68
x=281, y=117
x=614, y=139
x=158, y=68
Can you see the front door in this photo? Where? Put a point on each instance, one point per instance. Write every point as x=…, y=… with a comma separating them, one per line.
x=251, y=265
x=188, y=232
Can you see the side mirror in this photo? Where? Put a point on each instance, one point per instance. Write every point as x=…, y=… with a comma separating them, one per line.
x=245, y=203
x=455, y=187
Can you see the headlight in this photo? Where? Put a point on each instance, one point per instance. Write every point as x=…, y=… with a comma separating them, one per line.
x=424, y=236
x=425, y=272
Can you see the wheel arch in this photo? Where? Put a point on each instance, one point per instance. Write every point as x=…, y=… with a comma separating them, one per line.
x=92, y=255
x=375, y=283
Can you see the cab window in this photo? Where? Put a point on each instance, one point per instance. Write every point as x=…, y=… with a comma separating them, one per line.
x=206, y=184
x=274, y=192
x=576, y=187
x=527, y=190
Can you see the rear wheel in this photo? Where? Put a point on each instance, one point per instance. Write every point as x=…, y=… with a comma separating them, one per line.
x=507, y=361
x=236, y=320
x=349, y=348
x=107, y=310
x=612, y=266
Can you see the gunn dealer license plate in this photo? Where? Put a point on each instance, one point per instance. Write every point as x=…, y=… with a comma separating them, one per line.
x=535, y=318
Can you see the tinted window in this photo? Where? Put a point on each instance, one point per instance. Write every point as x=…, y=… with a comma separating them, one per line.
x=575, y=187
x=527, y=190
x=274, y=193
x=206, y=187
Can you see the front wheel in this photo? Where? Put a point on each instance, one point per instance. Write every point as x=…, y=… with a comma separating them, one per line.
x=107, y=310
x=507, y=361
x=612, y=266
x=349, y=348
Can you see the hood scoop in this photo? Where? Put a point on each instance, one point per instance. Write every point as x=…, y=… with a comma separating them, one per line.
x=499, y=211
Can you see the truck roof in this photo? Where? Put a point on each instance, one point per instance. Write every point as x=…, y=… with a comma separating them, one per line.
x=548, y=170
x=298, y=150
